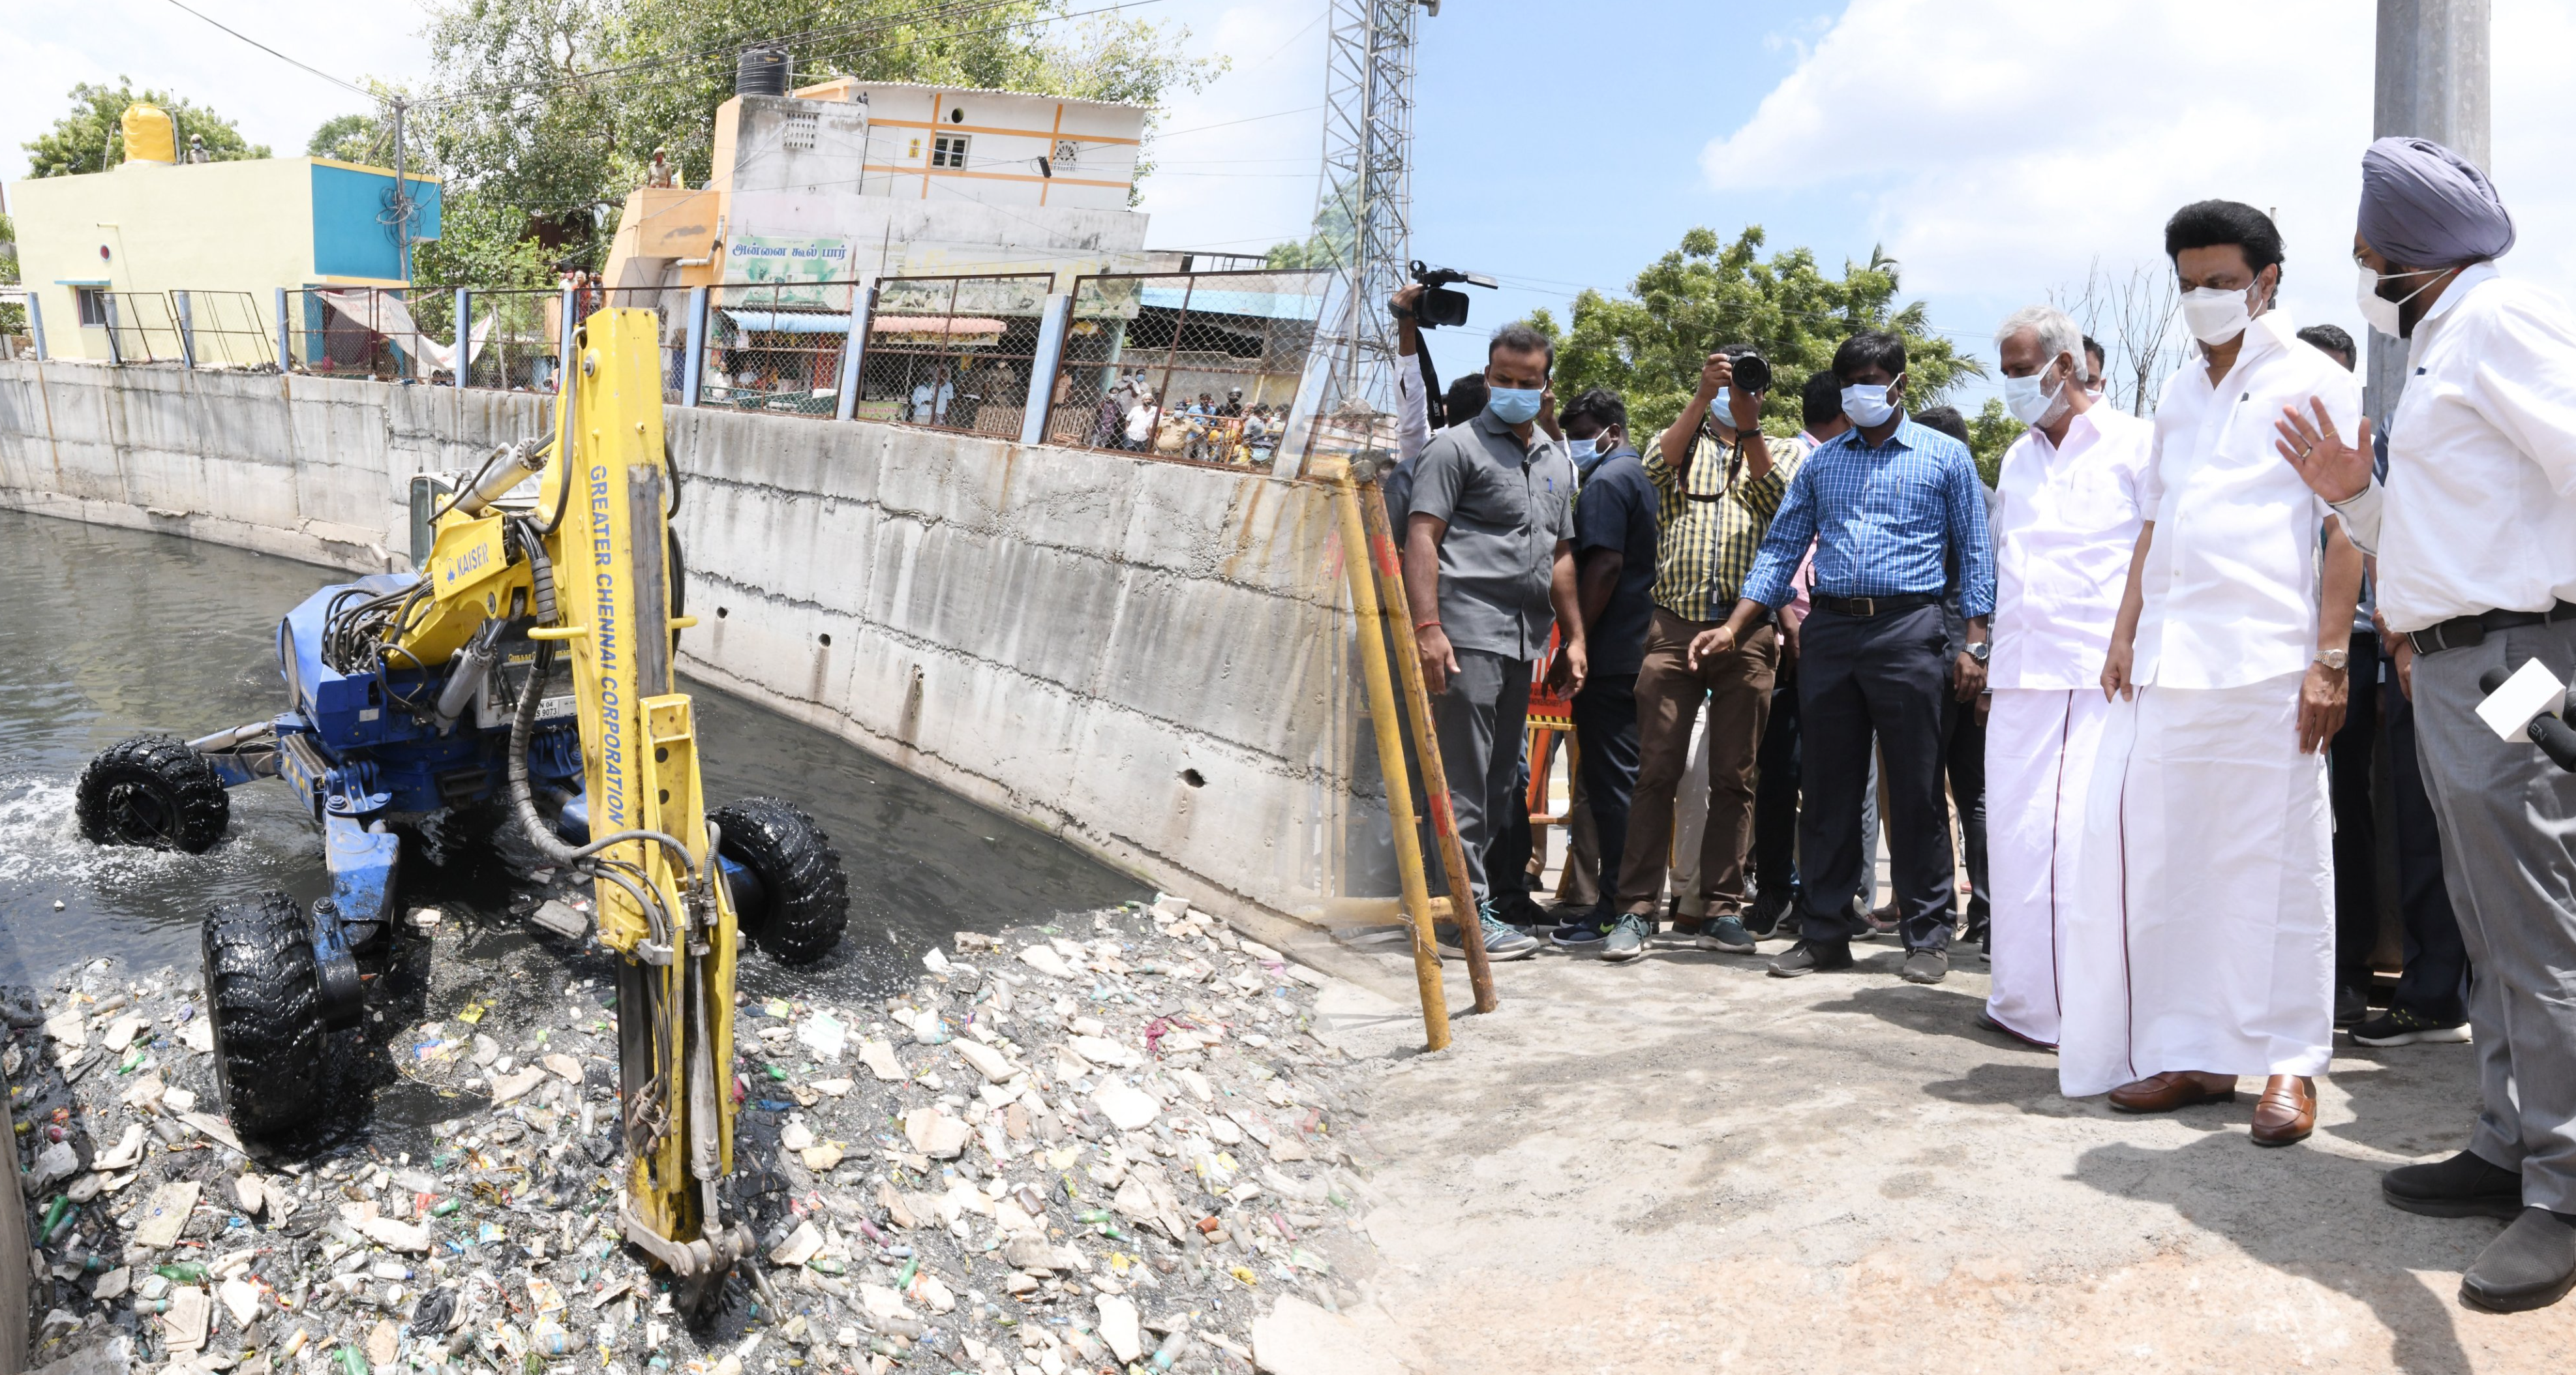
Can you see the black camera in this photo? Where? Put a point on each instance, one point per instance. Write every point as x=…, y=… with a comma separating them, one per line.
x=1440, y=306
x=1752, y=374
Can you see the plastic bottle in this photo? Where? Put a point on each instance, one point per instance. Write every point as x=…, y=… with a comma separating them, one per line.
x=182, y=1272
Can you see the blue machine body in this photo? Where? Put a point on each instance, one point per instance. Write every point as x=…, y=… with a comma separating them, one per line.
x=354, y=747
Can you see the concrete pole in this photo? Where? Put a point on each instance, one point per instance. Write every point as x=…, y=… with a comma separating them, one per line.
x=564, y=324
x=187, y=330
x=1043, y=367
x=464, y=337
x=2431, y=82
x=863, y=299
x=285, y=336
x=36, y=325
x=693, y=363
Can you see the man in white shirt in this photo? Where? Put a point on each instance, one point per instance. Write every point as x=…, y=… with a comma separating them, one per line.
x=2208, y=832
x=2066, y=518
x=2475, y=531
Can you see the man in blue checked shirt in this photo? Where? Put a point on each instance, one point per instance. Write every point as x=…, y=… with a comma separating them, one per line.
x=1887, y=503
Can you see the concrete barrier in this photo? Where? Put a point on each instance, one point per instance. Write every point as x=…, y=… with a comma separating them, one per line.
x=1146, y=658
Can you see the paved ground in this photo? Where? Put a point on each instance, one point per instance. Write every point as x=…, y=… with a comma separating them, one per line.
x=1684, y=1165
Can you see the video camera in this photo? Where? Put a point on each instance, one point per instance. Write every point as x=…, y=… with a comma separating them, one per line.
x=1441, y=306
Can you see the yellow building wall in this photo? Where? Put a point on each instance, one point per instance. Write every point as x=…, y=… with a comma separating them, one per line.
x=214, y=226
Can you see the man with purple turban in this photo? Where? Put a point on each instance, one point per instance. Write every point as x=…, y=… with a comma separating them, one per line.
x=2475, y=529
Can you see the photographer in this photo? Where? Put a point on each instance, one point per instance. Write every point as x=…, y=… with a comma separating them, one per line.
x=2475, y=531
x=1717, y=481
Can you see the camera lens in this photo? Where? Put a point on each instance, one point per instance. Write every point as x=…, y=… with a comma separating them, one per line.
x=1752, y=373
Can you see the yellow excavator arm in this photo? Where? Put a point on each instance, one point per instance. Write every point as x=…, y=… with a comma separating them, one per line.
x=595, y=567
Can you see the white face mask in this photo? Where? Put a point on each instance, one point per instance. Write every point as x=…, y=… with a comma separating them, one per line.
x=2215, y=315
x=1867, y=405
x=2378, y=310
x=1581, y=450
x=2029, y=398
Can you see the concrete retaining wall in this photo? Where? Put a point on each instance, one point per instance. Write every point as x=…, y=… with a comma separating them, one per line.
x=1143, y=657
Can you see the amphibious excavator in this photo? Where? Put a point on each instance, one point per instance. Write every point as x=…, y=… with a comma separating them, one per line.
x=526, y=663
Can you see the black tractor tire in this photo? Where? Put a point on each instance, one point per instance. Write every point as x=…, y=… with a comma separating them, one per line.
x=264, y=1000
x=153, y=791
x=805, y=900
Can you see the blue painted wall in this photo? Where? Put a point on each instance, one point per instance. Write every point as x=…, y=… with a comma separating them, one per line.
x=349, y=240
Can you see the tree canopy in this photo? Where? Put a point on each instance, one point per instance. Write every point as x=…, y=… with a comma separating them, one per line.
x=1705, y=294
x=90, y=139
x=352, y=138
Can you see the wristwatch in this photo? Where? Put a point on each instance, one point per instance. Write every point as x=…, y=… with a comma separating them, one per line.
x=2334, y=658
x=1980, y=649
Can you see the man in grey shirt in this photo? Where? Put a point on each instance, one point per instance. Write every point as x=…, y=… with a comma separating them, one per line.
x=1488, y=571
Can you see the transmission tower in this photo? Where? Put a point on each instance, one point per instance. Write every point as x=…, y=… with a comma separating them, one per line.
x=1364, y=213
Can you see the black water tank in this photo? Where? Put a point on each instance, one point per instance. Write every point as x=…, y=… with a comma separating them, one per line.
x=761, y=71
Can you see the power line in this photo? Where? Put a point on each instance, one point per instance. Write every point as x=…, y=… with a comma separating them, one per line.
x=279, y=55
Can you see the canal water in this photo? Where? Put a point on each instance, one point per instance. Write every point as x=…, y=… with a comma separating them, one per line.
x=106, y=633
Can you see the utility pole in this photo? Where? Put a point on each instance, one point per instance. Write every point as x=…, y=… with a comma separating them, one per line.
x=401, y=207
x=1368, y=186
x=2431, y=82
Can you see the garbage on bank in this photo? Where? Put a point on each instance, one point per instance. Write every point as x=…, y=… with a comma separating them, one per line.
x=1104, y=1145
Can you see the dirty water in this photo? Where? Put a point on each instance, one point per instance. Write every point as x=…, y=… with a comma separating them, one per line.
x=106, y=633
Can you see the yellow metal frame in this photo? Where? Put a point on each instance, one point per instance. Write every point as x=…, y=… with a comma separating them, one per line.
x=612, y=579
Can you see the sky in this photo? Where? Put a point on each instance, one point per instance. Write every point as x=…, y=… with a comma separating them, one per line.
x=1999, y=150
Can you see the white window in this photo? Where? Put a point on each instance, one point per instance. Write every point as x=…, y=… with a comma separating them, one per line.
x=797, y=136
x=948, y=150
x=92, y=302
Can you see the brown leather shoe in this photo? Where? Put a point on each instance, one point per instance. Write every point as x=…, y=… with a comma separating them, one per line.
x=2287, y=1111
x=2179, y=1088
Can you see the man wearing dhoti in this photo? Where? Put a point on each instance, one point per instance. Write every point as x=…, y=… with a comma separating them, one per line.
x=2207, y=833
x=2067, y=516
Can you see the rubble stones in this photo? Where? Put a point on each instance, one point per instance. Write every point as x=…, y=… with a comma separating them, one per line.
x=1107, y=1142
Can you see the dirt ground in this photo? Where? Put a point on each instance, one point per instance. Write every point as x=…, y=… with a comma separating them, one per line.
x=1681, y=1164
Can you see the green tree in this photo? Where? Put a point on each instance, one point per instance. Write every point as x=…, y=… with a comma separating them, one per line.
x=1649, y=346
x=13, y=316
x=1990, y=432
x=353, y=138
x=90, y=138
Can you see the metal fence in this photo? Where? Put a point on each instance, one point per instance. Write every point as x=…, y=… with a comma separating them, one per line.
x=953, y=353
x=360, y=332
x=776, y=346
x=141, y=328
x=514, y=338
x=224, y=329
x=1202, y=367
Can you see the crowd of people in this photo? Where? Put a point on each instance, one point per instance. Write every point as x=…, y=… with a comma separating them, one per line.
x=1204, y=430
x=2146, y=672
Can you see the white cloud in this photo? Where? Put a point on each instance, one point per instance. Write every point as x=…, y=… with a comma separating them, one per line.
x=48, y=46
x=1997, y=148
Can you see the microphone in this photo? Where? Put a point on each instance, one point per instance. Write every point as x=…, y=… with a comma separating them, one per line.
x=2555, y=737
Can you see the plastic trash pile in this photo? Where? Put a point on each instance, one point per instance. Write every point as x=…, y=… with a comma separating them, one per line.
x=1104, y=1145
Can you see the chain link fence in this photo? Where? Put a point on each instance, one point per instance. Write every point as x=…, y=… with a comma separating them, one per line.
x=1197, y=366
x=515, y=339
x=953, y=353
x=776, y=347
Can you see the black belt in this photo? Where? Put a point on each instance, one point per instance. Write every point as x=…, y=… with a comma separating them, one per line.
x=2460, y=632
x=1874, y=606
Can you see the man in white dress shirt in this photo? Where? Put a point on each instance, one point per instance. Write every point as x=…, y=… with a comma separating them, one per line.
x=2476, y=536
x=2066, y=519
x=2208, y=833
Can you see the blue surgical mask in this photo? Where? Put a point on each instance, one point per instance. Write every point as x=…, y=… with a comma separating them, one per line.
x=1723, y=405
x=1583, y=451
x=1867, y=405
x=1514, y=405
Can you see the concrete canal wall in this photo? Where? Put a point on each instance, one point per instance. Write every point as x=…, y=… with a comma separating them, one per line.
x=1140, y=656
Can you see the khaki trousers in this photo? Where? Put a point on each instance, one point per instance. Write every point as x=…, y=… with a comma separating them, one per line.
x=1737, y=688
